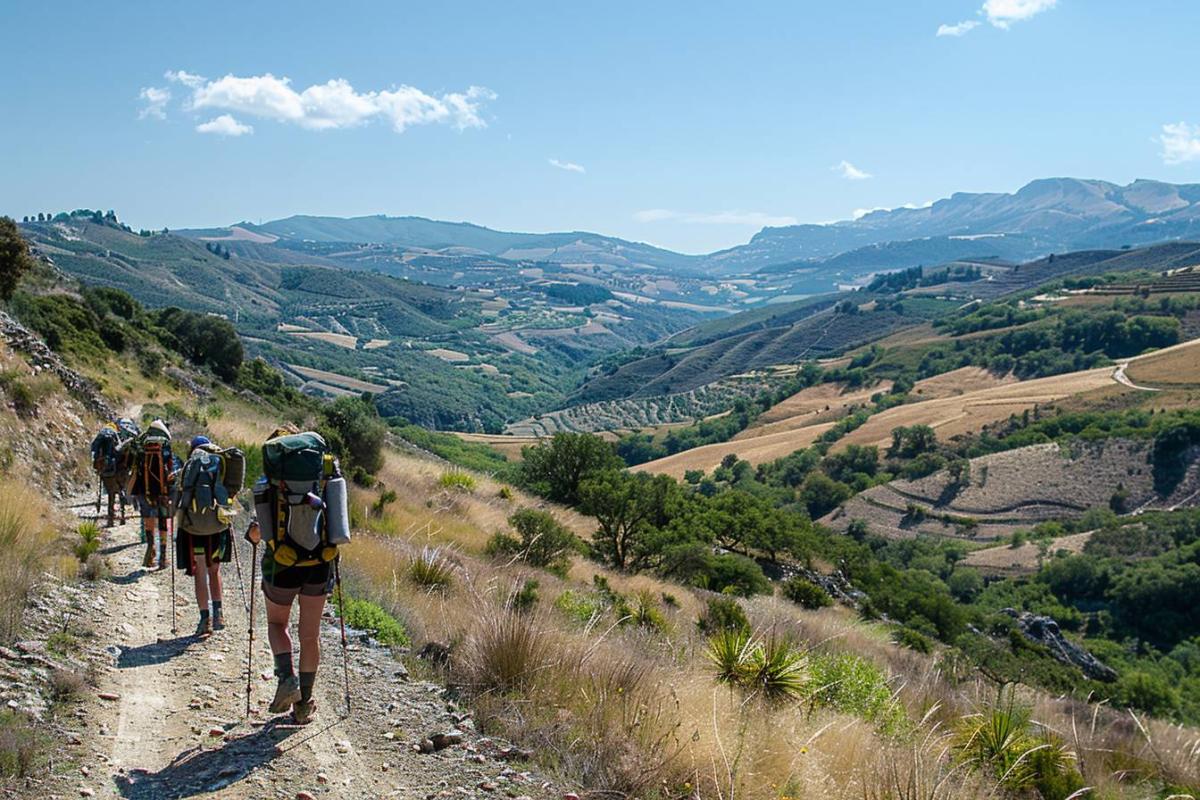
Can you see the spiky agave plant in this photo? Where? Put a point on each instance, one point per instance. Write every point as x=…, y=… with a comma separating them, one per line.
x=777, y=669
x=730, y=652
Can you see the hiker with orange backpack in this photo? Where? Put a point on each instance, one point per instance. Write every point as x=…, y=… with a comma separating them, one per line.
x=301, y=515
x=152, y=467
x=205, y=491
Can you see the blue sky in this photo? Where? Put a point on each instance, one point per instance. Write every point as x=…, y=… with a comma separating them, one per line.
x=683, y=124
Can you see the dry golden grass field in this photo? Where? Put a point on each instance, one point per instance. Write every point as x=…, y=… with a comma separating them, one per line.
x=1176, y=367
x=1024, y=560
x=343, y=340
x=334, y=379
x=954, y=403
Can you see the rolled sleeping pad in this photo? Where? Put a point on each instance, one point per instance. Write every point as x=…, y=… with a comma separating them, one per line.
x=264, y=507
x=337, y=509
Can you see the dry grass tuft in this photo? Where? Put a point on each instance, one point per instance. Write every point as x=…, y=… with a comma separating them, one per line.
x=27, y=538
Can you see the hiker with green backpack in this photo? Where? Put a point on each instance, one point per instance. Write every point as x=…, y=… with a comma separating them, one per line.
x=205, y=491
x=301, y=516
x=151, y=472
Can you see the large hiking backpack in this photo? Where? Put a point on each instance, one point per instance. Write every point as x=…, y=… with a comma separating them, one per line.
x=152, y=463
x=301, y=500
x=106, y=455
x=206, y=488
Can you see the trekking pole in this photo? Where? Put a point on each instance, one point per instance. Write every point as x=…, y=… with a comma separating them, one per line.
x=237, y=562
x=250, y=647
x=99, y=491
x=171, y=528
x=337, y=572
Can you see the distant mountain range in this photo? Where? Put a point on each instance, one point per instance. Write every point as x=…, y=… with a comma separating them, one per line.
x=419, y=233
x=1045, y=216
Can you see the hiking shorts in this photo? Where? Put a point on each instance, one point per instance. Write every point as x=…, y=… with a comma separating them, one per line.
x=213, y=549
x=154, y=507
x=311, y=581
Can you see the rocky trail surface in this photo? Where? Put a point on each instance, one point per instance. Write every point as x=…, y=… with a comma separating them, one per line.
x=164, y=715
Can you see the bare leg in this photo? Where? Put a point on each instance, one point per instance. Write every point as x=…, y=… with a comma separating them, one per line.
x=277, y=628
x=200, y=579
x=214, y=581
x=310, y=631
x=150, y=524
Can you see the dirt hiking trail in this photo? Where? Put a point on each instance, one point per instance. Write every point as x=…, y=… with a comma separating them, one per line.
x=167, y=716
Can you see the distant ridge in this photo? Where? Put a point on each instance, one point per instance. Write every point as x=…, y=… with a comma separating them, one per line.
x=1045, y=216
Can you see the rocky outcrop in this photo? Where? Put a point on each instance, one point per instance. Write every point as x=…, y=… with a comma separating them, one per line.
x=43, y=359
x=1045, y=631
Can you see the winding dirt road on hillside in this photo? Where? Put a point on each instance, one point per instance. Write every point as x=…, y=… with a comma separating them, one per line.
x=167, y=718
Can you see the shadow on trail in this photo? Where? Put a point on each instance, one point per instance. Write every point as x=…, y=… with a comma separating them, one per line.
x=116, y=548
x=155, y=653
x=197, y=771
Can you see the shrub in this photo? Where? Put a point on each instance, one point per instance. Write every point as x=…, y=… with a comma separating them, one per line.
x=645, y=612
x=457, y=480
x=431, y=569
x=913, y=640
x=66, y=684
x=734, y=574
x=20, y=745
x=89, y=541
x=723, y=614
x=805, y=593
x=853, y=685
x=371, y=617
x=25, y=393
x=582, y=607
x=524, y=599
x=543, y=541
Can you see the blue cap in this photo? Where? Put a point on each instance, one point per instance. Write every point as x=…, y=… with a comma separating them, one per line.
x=199, y=440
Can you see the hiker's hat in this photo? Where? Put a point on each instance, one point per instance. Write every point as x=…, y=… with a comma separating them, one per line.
x=199, y=440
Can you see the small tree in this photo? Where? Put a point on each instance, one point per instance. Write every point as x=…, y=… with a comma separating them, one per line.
x=541, y=541
x=15, y=260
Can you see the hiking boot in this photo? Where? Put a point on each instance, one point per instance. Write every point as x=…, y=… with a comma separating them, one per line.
x=304, y=711
x=148, y=559
x=218, y=621
x=205, y=627
x=287, y=693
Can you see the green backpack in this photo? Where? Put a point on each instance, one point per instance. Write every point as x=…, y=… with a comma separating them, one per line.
x=301, y=500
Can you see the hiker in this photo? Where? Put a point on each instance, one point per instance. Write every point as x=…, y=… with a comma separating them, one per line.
x=205, y=490
x=111, y=463
x=151, y=468
x=301, y=502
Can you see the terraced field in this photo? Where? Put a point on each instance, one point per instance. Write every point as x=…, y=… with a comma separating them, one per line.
x=1015, y=490
x=955, y=405
x=640, y=413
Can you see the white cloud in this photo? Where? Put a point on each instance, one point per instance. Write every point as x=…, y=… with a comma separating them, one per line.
x=156, y=100
x=224, y=125
x=850, y=172
x=334, y=104
x=1180, y=143
x=753, y=219
x=567, y=165
x=960, y=29
x=186, y=78
x=1001, y=14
